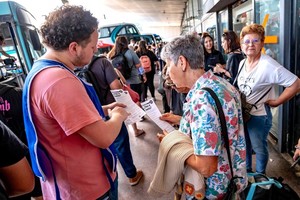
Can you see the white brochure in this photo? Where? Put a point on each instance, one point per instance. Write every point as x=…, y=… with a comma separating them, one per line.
x=136, y=113
x=153, y=112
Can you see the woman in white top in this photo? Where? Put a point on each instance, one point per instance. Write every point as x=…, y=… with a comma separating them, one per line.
x=258, y=74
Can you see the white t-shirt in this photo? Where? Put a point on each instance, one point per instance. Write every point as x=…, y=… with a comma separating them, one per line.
x=255, y=83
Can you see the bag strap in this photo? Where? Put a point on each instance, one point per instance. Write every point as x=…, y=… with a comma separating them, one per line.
x=223, y=124
x=235, y=80
x=268, y=181
x=119, y=77
x=263, y=95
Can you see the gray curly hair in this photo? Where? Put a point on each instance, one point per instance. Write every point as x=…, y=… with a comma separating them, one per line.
x=188, y=46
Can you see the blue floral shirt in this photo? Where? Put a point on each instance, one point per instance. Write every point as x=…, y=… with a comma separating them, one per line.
x=200, y=121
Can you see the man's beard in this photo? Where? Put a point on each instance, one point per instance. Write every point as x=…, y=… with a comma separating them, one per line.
x=79, y=61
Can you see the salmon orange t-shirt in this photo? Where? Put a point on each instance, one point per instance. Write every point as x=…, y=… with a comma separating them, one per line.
x=60, y=108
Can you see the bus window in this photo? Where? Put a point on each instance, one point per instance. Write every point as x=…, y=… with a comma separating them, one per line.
x=104, y=32
x=122, y=31
x=131, y=30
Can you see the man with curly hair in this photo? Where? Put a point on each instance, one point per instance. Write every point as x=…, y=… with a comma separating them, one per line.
x=69, y=136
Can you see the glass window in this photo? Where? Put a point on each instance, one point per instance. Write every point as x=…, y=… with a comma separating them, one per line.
x=209, y=26
x=223, y=15
x=242, y=14
x=223, y=23
x=269, y=10
x=122, y=31
x=104, y=32
x=296, y=123
x=131, y=30
x=9, y=47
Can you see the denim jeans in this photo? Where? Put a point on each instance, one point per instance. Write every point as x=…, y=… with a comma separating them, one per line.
x=257, y=130
x=123, y=152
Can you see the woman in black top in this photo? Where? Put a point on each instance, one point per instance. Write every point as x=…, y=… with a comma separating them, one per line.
x=231, y=46
x=141, y=51
x=212, y=57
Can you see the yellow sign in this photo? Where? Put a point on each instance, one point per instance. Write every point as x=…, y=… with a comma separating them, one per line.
x=269, y=39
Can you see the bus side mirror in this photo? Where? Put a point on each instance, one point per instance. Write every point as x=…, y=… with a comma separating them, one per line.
x=35, y=40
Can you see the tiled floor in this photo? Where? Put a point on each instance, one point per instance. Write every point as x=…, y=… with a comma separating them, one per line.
x=145, y=148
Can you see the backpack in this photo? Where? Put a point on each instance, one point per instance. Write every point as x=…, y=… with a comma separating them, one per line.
x=119, y=61
x=146, y=63
x=86, y=74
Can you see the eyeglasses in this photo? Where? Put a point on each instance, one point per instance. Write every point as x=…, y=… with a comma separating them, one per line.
x=253, y=41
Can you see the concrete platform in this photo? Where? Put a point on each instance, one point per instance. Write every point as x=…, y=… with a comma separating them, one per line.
x=145, y=148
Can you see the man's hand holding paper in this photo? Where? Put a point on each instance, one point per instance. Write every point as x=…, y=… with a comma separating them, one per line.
x=136, y=113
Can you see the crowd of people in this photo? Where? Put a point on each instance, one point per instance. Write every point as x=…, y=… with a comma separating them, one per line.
x=62, y=136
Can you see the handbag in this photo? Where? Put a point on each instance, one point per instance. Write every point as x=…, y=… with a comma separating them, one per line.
x=261, y=187
x=232, y=188
x=161, y=89
x=133, y=94
x=246, y=107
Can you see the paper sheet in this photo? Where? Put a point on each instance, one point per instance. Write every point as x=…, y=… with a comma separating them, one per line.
x=153, y=112
x=136, y=113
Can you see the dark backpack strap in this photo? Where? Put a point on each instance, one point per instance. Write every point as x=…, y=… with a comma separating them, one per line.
x=130, y=67
x=93, y=80
x=223, y=124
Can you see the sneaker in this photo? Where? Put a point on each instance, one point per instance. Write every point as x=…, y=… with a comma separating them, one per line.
x=135, y=180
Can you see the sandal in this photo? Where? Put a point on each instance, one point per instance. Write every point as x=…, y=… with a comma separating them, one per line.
x=139, y=132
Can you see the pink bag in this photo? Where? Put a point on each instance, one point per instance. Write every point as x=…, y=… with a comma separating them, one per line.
x=134, y=95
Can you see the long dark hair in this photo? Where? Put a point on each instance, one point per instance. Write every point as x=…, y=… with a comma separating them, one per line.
x=205, y=35
x=233, y=41
x=142, y=47
x=121, y=46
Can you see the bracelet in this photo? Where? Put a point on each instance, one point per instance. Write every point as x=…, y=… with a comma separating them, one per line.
x=297, y=147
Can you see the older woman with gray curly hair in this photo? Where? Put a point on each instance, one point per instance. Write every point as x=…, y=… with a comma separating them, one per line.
x=200, y=120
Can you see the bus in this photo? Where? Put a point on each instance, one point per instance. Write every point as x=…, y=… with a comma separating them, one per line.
x=21, y=41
